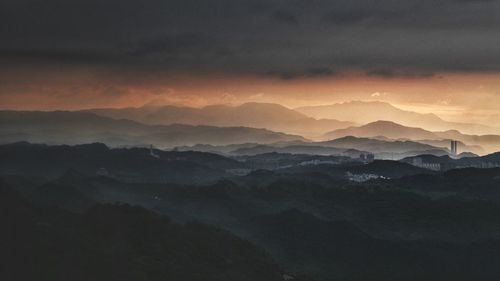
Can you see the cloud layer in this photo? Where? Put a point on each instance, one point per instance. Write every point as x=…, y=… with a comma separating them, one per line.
x=284, y=38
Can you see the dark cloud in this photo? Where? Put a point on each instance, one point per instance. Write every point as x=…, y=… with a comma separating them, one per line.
x=321, y=71
x=347, y=17
x=69, y=56
x=283, y=16
x=472, y=1
x=170, y=44
x=389, y=73
x=309, y=73
x=294, y=38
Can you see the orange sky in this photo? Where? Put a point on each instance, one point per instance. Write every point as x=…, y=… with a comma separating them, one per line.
x=453, y=96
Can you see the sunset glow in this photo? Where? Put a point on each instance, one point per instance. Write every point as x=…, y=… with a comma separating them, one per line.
x=468, y=97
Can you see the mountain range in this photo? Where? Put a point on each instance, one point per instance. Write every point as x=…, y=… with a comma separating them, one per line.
x=114, y=127
x=83, y=127
x=256, y=115
x=388, y=129
x=346, y=146
x=366, y=112
x=65, y=127
x=128, y=164
x=374, y=145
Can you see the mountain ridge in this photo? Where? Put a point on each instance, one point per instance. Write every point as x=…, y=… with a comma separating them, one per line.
x=389, y=129
x=256, y=115
x=67, y=127
x=364, y=112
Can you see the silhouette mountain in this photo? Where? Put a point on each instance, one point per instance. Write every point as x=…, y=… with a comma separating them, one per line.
x=63, y=127
x=132, y=165
x=395, y=131
x=387, y=129
x=374, y=145
x=347, y=146
x=293, y=149
x=257, y=115
x=367, y=112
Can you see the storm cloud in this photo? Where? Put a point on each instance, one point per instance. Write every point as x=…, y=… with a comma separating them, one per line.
x=286, y=39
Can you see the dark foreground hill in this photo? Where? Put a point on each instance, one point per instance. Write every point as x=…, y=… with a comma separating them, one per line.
x=120, y=243
x=331, y=231
x=128, y=164
x=342, y=250
x=411, y=224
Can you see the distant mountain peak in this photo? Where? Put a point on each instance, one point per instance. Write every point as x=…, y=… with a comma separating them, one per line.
x=363, y=112
x=389, y=125
x=396, y=132
x=261, y=104
x=271, y=116
x=384, y=128
x=384, y=123
x=360, y=102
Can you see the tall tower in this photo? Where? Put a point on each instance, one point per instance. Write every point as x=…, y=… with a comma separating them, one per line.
x=454, y=145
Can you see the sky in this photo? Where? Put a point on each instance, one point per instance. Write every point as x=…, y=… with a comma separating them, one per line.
x=437, y=56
